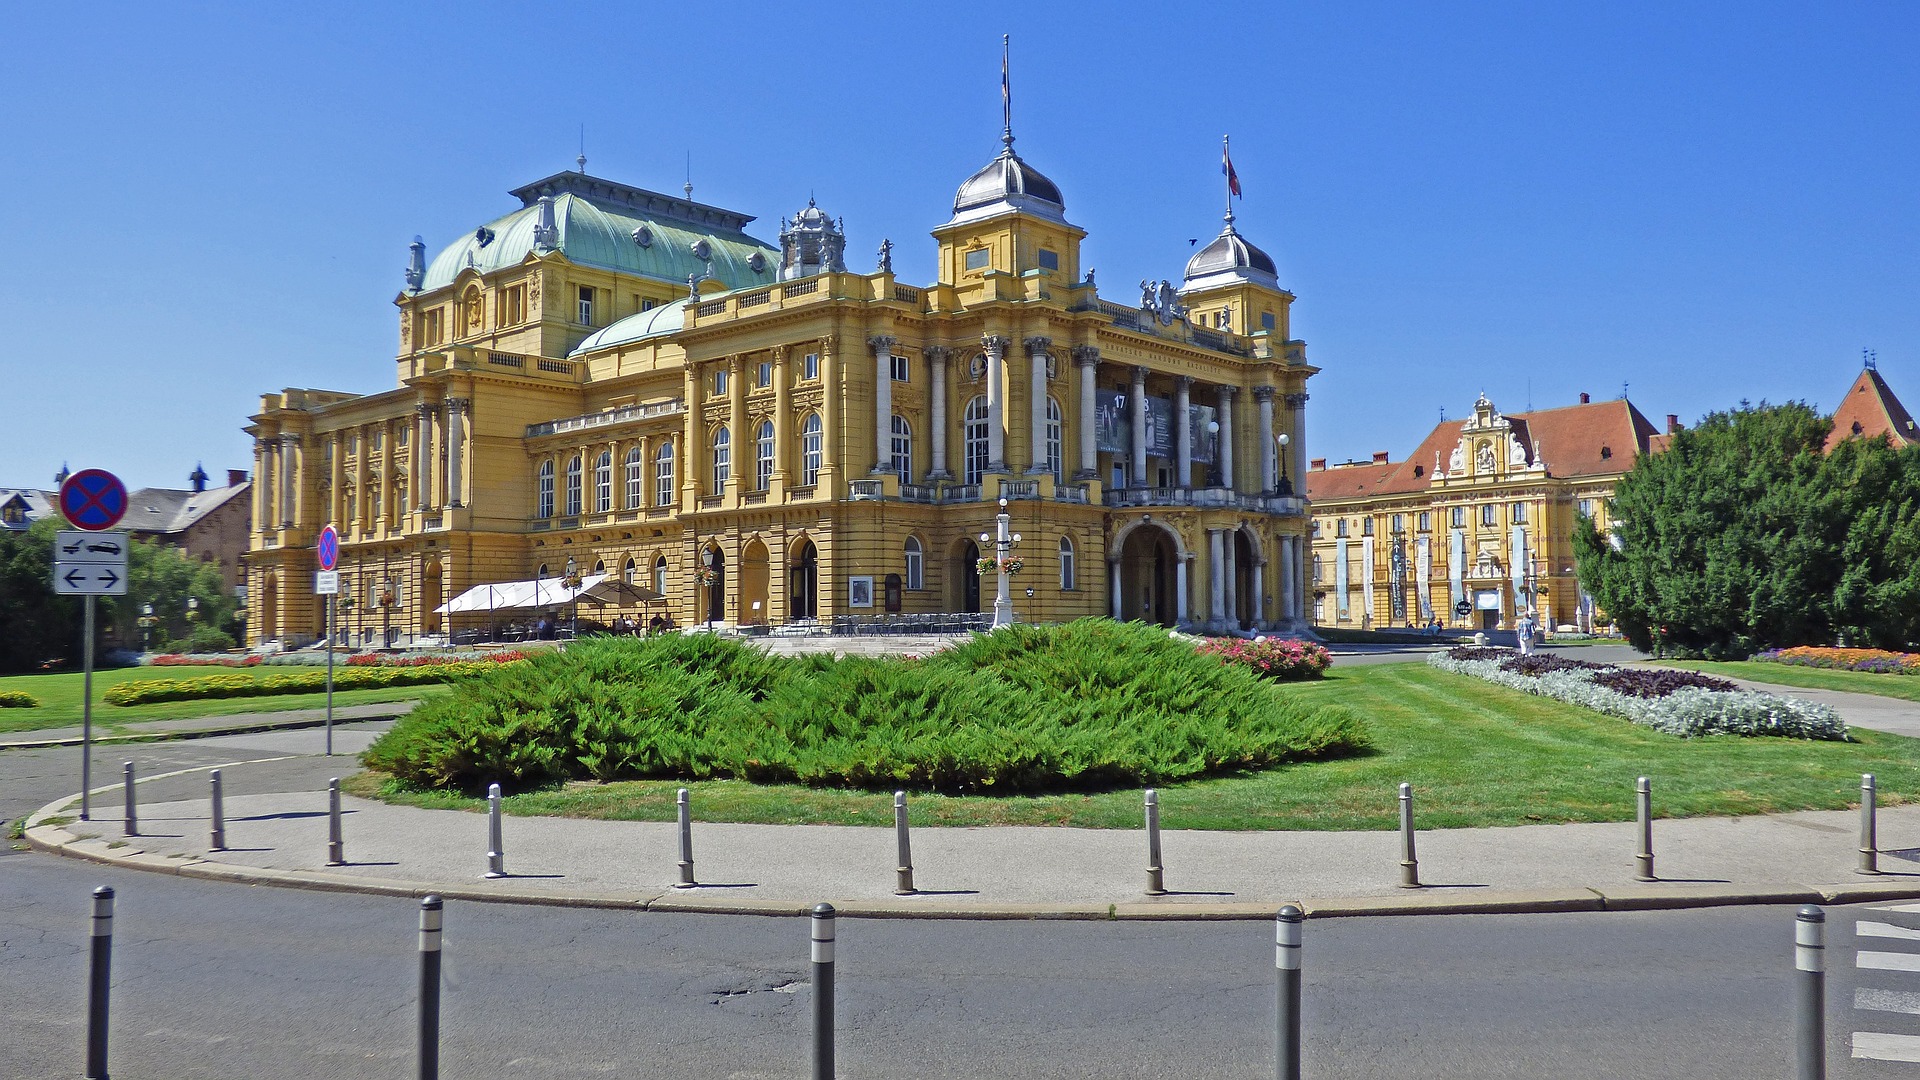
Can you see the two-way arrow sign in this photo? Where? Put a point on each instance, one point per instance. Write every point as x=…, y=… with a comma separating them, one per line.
x=89, y=579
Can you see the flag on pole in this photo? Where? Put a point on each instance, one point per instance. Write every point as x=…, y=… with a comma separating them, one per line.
x=1006, y=88
x=1226, y=166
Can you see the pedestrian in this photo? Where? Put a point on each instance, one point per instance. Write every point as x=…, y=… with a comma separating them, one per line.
x=1523, y=633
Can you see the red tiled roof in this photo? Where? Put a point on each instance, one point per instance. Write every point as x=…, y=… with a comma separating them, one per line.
x=1348, y=481
x=1870, y=410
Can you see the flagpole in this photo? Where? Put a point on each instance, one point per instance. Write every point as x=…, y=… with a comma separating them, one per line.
x=1006, y=90
x=1226, y=173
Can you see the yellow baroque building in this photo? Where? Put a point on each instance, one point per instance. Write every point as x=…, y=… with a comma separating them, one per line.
x=1476, y=526
x=626, y=382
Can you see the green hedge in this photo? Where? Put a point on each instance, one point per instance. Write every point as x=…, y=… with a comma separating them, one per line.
x=303, y=681
x=1088, y=705
x=18, y=699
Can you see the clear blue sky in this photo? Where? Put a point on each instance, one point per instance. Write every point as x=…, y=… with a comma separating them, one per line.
x=1707, y=201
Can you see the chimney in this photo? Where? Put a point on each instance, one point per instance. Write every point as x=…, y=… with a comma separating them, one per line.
x=1318, y=464
x=1673, y=423
x=1586, y=398
x=1379, y=457
x=236, y=477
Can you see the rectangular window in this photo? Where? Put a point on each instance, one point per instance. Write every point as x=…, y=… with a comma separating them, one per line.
x=916, y=567
x=1489, y=515
x=1586, y=508
x=1519, y=513
x=720, y=383
x=978, y=259
x=901, y=369
x=1459, y=517
x=810, y=453
x=1164, y=477
x=763, y=376
x=663, y=476
x=406, y=436
x=636, y=479
x=603, y=485
x=1366, y=527
x=1340, y=527
x=586, y=305
x=1399, y=522
x=1119, y=473
x=1266, y=321
x=810, y=366
x=513, y=305
x=1426, y=521
x=1049, y=260
x=645, y=304
x=432, y=327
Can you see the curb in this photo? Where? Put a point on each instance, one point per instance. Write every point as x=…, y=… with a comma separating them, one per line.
x=196, y=733
x=57, y=840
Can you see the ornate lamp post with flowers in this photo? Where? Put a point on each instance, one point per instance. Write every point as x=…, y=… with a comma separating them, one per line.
x=571, y=582
x=1003, y=564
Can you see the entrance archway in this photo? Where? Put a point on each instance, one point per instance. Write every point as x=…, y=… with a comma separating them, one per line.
x=717, y=592
x=963, y=577
x=1246, y=605
x=753, y=584
x=803, y=582
x=270, y=609
x=1148, y=561
x=430, y=590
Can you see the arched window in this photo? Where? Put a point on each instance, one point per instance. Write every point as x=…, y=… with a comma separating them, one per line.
x=573, y=485
x=722, y=457
x=1054, y=429
x=542, y=491
x=660, y=575
x=603, y=483
x=400, y=496
x=810, y=450
x=636, y=478
x=599, y=566
x=631, y=573
x=976, y=440
x=1066, y=563
x=663, y=474
x=916, y=564
x=353, y=502
x=763, y=457
x=903, y=450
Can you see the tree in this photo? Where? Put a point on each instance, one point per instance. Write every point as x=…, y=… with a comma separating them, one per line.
x=1745, y=535
x=37, y=628
x=188, y=598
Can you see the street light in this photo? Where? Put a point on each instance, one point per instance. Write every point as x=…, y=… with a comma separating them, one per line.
x=1213, y=466
x=146, y=627
x=1285, y=490
x=573, y=584
x=1003, y=542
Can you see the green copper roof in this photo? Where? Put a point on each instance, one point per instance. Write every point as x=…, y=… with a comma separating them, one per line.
x=596, y=221
x=654, y=322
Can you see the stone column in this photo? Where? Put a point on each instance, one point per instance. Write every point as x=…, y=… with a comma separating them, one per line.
x=289, y=477
x=996, y=348
x=740, y=463
x=1230, y=572
x=1087, y=359
x=336, y=476
x=1216, y=578
x=1184, y=563
x=782, y=427
x=1113, y=589
x=1183, y=431
x=1268, y=466
x=687, y=478
x=1259, y=594
x=1138, y=402
x=456, y=450
x=831, y=466
x=882, y=346
x=1289, y=580
x=262, y=485
x=938, y=357
x=1037, y=403
x=1297, y=405
x=1224, y=452
x=419, y=473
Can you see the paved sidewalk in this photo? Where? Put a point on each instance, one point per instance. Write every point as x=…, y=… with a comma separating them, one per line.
x=197, y=727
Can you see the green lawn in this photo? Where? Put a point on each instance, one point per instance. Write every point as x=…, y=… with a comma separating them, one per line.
x=1904, y=687
x=1477, y=754
x=59, y=697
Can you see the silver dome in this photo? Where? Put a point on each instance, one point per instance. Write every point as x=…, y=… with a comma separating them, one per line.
x=1008, y=182
x=1230, y=258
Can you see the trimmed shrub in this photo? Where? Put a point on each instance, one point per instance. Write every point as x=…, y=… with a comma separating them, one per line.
x=1088, y=705
x=1683, y=706
x=308, y=681
x=1280, y=659
x=18, y=699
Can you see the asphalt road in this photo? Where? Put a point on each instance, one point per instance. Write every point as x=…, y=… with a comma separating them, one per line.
x=214, y=980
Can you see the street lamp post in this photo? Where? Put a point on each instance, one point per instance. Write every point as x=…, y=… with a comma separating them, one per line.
x=1213, y=466
x=1285, y=489
x=146, y=627
x=1002, y=542
x=573, y=585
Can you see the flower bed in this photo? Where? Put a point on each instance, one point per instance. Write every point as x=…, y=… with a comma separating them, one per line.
x=1676, y=702
x=319, y=659
x=1877, y=661
x=1280, y=659
x=18, y=699
x=238, y=684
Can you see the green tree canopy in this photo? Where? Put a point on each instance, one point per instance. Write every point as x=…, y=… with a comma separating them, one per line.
x=1745, y=535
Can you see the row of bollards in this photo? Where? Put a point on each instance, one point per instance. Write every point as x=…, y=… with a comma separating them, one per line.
x=1809, y=994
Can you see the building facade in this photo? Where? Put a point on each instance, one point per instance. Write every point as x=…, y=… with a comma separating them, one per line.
x=1476, y=526
x=626, y=382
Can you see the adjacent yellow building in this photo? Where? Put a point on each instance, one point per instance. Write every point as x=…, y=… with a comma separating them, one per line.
x=1476, y=527
x=629, y=383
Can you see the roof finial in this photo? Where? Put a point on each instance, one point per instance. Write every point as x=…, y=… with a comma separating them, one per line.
x=1006, y=93
x=582, y=159
x=688, y=186
x=1871, y=359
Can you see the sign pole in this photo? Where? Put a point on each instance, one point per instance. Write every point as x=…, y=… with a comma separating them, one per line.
x=329, y=674
x=86, y=717
x=326, y=583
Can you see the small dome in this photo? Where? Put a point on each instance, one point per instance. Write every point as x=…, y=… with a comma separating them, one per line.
x=1230, y=257
x=1008, y=182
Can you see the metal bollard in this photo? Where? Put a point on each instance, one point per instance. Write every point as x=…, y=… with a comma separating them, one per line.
x=1409, y=864
x=686, y=841
x=496, y=856
x=1156, y=884
x=98, y=983
x=1643, y=803
x=430, y=912
x=1810, y=1007
x=132, y=822
x=1869, y=833
x=218, y=841
x=903, y=873
x=1286, y=958
x=823, y=992
x=336, y=844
